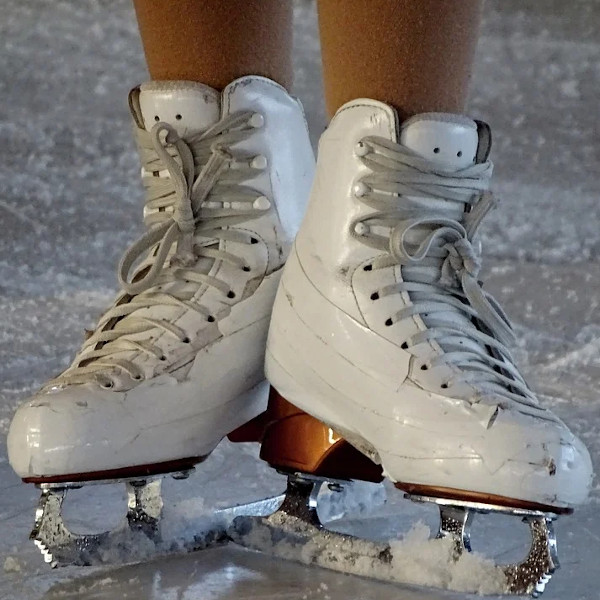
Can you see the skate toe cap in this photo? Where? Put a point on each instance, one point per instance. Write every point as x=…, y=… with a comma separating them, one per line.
x=530, y=458
x=88, y=431
x=53, y=433
x=539, y=460
x=570, y=463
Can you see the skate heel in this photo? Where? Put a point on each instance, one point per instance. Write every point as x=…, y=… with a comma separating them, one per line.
x=292, y=440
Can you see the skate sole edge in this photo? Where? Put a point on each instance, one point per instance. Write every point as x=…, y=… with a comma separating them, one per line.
x=459, y=495
x=132, y=472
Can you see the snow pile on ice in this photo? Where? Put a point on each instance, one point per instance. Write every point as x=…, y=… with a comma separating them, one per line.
x=416, y=559
x=421, y=560
x=12, y=565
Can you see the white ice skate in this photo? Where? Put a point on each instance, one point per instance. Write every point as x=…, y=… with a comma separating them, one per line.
x=177, y=362
x=382, y=332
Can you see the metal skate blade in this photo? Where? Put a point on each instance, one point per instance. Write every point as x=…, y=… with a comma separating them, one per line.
x=258, y=508
x=528, y=577
x=291, y=538
x=294, y=532
x=139, y=536
x=60, y=546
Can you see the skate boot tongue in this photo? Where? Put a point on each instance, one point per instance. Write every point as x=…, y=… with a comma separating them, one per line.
x=451, y=141
x=187, y=106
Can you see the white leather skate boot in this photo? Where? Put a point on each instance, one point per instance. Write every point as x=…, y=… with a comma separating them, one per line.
x=175, y=364
x=382, y=332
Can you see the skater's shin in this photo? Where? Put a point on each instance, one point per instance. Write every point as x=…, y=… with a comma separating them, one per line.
x=216, y=41
x=414, y=54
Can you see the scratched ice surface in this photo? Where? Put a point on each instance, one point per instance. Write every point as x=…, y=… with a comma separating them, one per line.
x=70, y=203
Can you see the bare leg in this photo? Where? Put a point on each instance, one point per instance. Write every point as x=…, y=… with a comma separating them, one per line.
x=414, y=54
x=216, y=41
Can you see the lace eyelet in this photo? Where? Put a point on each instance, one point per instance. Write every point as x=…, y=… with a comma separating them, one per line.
x=138, y=377
x=404, y=346
x=375, y=296
x=253, y=241
x=246, y=269
x=360, y=189
x=231, y=294
x=256, y=120
x=163, y=358
x=108, y=385
x=261, y=203
x=259, y=162
x=444, y=386
x=210, y=319
x=368, y=268
x=178, y=117
x=424, y=368
x=389, y=323
x=361, y=149
x=361, y=229
x=186, y=340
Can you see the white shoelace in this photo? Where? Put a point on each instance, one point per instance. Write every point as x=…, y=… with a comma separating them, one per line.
x=187, y=215
x=431, y=235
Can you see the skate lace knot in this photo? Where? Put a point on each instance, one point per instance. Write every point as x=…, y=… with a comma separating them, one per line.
x=425, y=219
x=462, y=262
x=462, y=258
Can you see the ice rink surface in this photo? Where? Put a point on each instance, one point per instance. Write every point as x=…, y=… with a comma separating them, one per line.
x=70, y=202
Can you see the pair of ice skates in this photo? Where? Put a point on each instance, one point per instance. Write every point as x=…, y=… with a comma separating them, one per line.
x=385, y=356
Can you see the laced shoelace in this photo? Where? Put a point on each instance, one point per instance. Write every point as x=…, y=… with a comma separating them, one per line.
x=430, y=233
x=187, y=214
